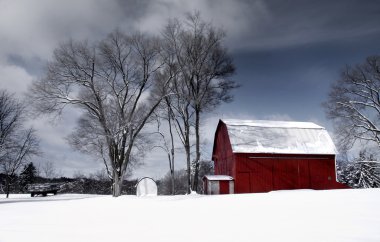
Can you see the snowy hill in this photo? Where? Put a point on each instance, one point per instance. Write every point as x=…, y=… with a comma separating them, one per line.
x=304, y=215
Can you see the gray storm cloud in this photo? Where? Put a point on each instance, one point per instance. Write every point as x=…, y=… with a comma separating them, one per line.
x=34, y=28
x=30, y=30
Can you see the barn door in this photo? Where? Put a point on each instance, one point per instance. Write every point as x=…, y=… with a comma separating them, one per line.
x=285, y=174
x=261, y=175
x=291, y=174
x=319, y=176
x=303, y=174
x=243, y=183
x=224, y=187
x=256, y=174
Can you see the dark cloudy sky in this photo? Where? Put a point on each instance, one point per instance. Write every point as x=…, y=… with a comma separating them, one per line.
x=287, y=54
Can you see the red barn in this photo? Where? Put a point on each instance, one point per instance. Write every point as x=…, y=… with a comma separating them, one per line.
x=263, y=156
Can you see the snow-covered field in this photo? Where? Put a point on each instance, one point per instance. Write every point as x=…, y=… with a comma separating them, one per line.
x=304, y=215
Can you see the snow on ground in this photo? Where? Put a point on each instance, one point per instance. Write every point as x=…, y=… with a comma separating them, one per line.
x=302, y=215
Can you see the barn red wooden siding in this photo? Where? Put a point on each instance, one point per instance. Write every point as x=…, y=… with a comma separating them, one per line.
x=267, y=172
x=223, y=158
x=261, y=172
x=224, y=187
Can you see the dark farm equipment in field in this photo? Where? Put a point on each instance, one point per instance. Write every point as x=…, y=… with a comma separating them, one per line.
x=43, y=189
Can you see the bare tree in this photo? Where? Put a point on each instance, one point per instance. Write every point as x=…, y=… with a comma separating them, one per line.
x=11, y=118
x=17, y=145
x=48, y=169
x=354, y=104
x=178, y=105
x=182, y=116
x=166, y=145
x=180, y=178
x=204, y=67
x=112, y=83
x=100, y=175
x=175, y=108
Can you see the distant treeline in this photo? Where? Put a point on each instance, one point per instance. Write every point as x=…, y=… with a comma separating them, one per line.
x=97, y=183
x=85, y=185
x=68, y=185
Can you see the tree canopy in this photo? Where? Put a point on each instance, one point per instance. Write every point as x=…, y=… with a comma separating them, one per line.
x=353, y=104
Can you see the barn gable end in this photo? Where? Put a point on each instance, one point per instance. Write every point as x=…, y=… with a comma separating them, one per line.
x=263, y=156
x=223, y=156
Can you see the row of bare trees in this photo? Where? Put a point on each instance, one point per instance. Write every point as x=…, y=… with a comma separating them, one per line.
x=126, y=80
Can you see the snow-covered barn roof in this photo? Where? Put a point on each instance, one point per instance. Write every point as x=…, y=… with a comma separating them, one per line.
x=280, y=137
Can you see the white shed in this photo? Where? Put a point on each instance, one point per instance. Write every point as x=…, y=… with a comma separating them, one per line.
x=218, y=184
x=146, y=186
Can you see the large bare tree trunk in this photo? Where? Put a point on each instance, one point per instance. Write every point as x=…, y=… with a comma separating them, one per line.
x=188, y=162
x=171, y=158
x=117, y=185
x=8, y=185
x=188, y=152
x=197, y=150
x=172, y=182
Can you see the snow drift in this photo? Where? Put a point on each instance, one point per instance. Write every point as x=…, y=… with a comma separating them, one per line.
x=299, y=215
